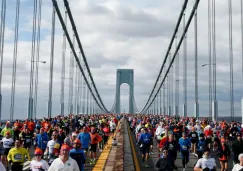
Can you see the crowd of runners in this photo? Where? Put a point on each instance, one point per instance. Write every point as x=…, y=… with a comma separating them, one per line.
x=188, y=135
x=65, y=143
x=60, y=143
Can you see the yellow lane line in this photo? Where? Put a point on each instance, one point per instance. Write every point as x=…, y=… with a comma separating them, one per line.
x=101, y=162
x=134, y=154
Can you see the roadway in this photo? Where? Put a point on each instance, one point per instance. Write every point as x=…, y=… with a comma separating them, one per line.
x=153, y=158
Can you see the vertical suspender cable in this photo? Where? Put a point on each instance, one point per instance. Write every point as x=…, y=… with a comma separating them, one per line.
x=196, y=69
x=242, y=53
x=71, y=68
x=76, y=89
x=81, y=93
x=87, y=102
x=172, y=88
x=209, y=59
x=63, y=68
x=177, y=82
x=51, y=63
x=185, y=69
x=231, y=57
x=2, y=32
x=84, y=94
x=160, y=108
x=167, y=94
x=15, y=54
x=164, y=108
x=37, y=58
x=32, y=61
x=215, y=103
x=90, y=100
x=157, y=105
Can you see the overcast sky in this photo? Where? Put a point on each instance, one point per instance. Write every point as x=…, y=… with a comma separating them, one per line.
x=115, y=34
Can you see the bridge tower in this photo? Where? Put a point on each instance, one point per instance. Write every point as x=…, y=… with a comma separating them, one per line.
x=124, y=76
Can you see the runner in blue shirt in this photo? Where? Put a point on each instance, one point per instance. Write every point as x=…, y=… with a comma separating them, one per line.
x=185, y=145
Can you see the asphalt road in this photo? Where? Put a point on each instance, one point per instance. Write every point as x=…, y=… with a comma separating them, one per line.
x=153, y=158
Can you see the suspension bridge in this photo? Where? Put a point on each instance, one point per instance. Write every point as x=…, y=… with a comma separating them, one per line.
x=199, y=73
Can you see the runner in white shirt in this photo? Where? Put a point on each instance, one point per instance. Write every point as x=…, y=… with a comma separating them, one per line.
x=205, y=162
x=239, y=167
x=64, y=162
x=38, y=164
x=51, y=146
x=7, y=144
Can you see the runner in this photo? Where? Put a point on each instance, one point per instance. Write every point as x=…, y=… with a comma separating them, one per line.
x=17, y=155
x=185, y=145
x=64, y=162
x=165, y=163
x=7, y=143
x=145, y=140
x=237, y=148
x=206, y=162
x=78, y=154
x=194, y=140
x=239, y=167
x=38, y=164
x=224, y=155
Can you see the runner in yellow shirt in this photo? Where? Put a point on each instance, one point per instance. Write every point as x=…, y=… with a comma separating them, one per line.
x=17, y=156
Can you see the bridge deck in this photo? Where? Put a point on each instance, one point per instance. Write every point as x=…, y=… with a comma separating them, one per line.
x=153, y=158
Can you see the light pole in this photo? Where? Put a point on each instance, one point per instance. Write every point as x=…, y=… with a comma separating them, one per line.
x=212, y=103
x=44, y=62
x=36, y=88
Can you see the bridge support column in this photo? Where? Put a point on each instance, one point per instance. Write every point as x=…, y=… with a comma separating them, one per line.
x=196, y=110
x=215, y=110
x=169, y=111
x=176, y=110
x=62, y=108
x=30, y=108
x=242, y=110
x=185, y=110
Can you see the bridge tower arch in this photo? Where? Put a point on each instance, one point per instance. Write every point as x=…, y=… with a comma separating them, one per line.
x=124, y=76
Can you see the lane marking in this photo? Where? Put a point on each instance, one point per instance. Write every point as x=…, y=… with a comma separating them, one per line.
x=101, y=162
x=135, y=158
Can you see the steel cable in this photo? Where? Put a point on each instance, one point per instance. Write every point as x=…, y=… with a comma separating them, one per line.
x=71, y=68
x=37, y=57
x=2, y=34
x=74, y=52
x=51, y=63
x=15, y=55
x=167, y=52
x=209, y=59
x=63, y=68
x=83, y=55
x=231, y=57
x=32, y=61
x=178, y=47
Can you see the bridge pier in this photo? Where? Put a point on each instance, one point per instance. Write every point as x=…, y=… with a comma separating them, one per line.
x=242, y=110
x=184, y=110
x=215, y=110
x=196, y=110
x=176, y=110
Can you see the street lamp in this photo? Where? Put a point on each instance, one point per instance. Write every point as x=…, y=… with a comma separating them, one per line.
x=203, y=65
x=213, y=104
x=32, y=104
x=44, y=62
